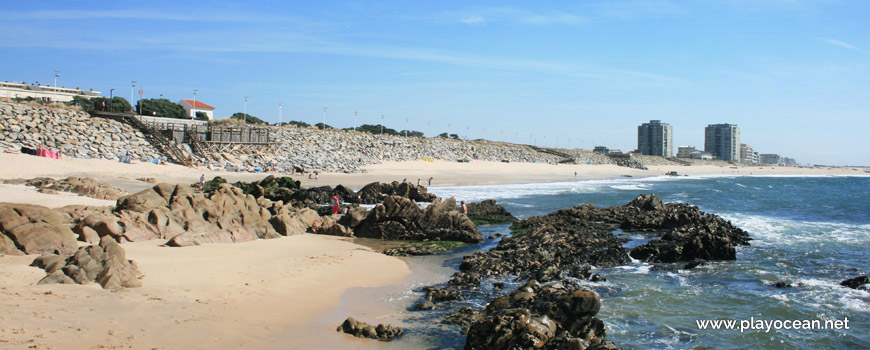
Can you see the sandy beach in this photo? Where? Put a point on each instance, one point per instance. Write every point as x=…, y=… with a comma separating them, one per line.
x=245, y=295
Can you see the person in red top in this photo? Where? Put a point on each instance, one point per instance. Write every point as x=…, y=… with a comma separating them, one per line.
x=334, y=201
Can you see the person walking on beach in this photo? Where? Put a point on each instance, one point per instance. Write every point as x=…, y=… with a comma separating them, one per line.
x=464, y=208
x=430, y=181
x=418, y=182
x=202, y=181
x=334, y=202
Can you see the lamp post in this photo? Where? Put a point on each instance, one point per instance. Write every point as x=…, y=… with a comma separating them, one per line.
x=323, y=127
x=56, y=74
x=406, y=127
x=111, y=98
x=195, y=91
x=382, y=124
x=354, y=120
x=131, y=95
x=245, y=117
x=280, y=104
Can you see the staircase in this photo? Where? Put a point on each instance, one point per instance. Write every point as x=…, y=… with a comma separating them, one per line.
x=199, y=146
x=156, y=138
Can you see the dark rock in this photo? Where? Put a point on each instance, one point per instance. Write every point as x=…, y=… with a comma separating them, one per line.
x=424, y=305
x=463, y=317
x=401, y=218
x=694, y=263
x=438, y=294
x=364, y=330
x=377, y=192
x=489, y=213
x=554, y=316
x=781, y=284
x=856, y=283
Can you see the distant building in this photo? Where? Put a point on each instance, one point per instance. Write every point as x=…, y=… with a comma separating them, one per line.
x=685, y=151
x=601, y=149
x=701, y=155
x=655, y=139
x=43, y=92
x=723, y=141
x=786, y=161
x=189, y=109
x=747, y=154
x=769, y=158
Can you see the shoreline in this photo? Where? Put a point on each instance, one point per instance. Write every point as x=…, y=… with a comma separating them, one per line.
x=254, y=294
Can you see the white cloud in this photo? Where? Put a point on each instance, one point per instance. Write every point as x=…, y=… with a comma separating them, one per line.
x=842, y=44
x=473, y=20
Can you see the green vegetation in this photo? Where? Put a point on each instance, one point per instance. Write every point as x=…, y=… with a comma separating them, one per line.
x=213, y=184
x=248, y=119
x=376, y=129
x=201, y=116
x=297, y=124
x=322, y=126
x=160, y=107
x=115, y=104
x=444, y=135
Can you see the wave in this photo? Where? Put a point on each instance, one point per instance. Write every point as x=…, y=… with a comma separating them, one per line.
x=512, y=191
x=779, y=231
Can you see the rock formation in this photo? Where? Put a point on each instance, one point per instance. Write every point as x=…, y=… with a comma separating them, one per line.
x=33, y=229
x=105, y=264
x=554, y=316
x=489, y=213
x=401, y=218
x=360, y=329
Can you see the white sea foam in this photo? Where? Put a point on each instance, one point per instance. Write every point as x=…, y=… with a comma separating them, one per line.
x=778, y=231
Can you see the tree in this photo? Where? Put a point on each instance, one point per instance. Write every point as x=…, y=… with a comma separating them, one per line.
x=411, y=133
x=161, y=108
x=298, y=124
x=249, y=119
x=322, y=126
x=115, y=104
x=376, y=129
x=201, y=115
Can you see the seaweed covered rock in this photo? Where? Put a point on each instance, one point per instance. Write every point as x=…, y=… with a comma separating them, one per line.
x=401, y=218
x=360, y=329
x=489, y=213
x=105, y=264
x=860, y=282
x=555, y=316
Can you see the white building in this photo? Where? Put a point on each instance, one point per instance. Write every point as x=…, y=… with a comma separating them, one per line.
x=190, y=110
x=685, y=151
x=43, y=92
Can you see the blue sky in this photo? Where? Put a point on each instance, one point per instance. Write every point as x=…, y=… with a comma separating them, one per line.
x=794, y=75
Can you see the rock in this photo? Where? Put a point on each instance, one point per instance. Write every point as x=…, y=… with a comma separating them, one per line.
x=781, y=284
x=87, y=187
x=359, y=329
x=856, y=283
x=424, y=305
x=34, y=229
x=438, y=294
x=377, y=192
x=554, y=316
x=105, y=264
x=489, y=213
x=401, y=218
x=141, y=201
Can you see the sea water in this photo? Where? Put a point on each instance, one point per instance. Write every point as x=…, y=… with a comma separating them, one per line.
x=809, y=232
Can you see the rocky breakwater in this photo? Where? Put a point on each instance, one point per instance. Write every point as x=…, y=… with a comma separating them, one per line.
x=76, y=134
x=401, y=218
x=559, y=315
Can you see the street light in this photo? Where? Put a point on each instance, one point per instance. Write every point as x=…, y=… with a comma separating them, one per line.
x=324, y=119
x=56, y=74
x=131, y=95
x=382, y=124
x=406, y=127
x=280, y=104
x=195, y=91
x=245, y=117
x=354, y=120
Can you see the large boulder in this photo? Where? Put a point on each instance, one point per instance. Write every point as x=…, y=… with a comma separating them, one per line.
x=382, y=332
x=83, y=186
x=377, y=192
x=34, y=229
x=555, y=316
x=142, y=201
x=401, y=218
x=489, y=213
x=105, y=264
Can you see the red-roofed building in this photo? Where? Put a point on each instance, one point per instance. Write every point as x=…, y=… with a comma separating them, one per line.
x=190, y=110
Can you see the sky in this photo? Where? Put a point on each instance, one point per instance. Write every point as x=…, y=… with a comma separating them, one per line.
x=794, y=75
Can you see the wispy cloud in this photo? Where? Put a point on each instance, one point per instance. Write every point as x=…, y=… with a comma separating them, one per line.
x=201, y=15
x=584, y=13
x=842, y=44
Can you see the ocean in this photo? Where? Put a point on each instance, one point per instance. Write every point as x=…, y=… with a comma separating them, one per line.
x=809, y=232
